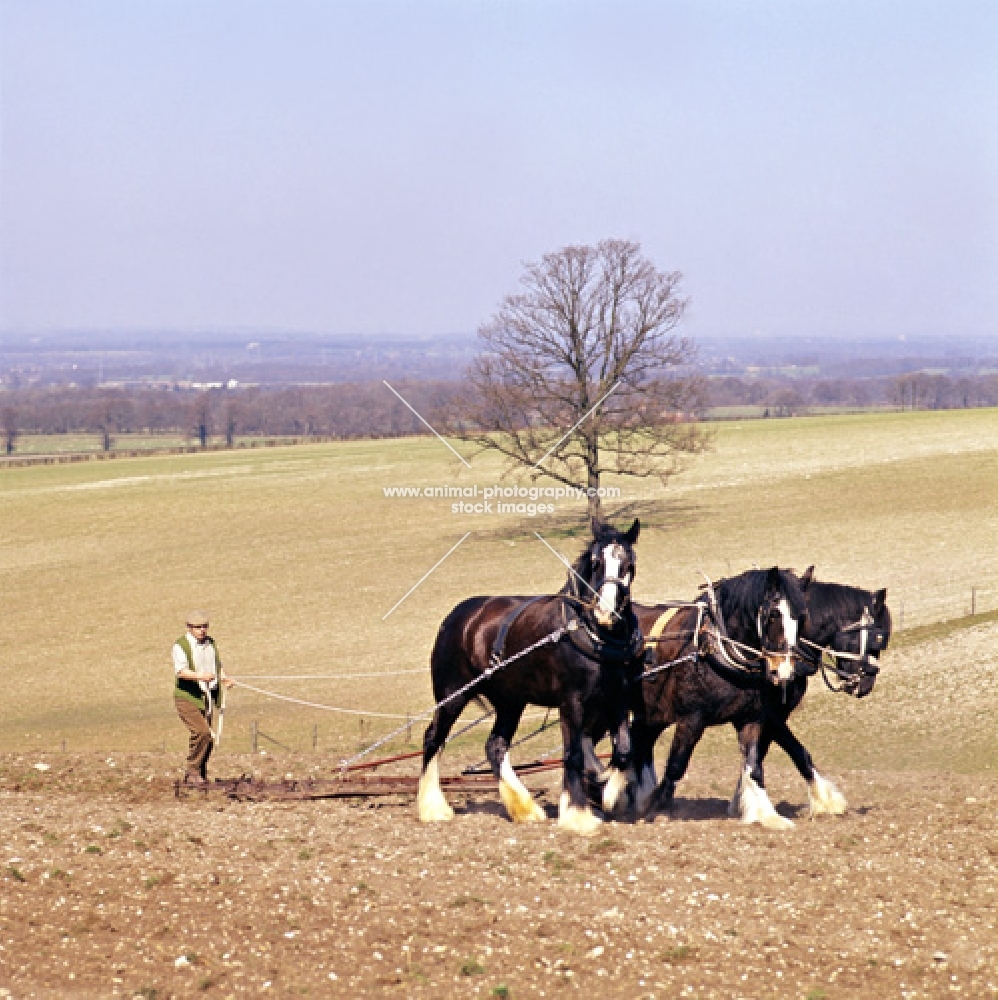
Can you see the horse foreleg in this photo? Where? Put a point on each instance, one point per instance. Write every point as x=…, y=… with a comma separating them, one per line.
x=431, y=803
x=519, y=803
x=574, y=813
x=750, y=803
x=824, y=798
x=620, y=774
x=641, y=792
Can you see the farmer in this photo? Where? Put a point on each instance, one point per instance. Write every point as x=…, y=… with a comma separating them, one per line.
x=199, y=669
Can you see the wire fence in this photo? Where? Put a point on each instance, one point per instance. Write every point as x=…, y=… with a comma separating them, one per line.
x=913, y=609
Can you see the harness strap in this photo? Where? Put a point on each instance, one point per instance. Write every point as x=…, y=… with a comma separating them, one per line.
x=659, y=627
x=499, y=646
x=552, y=637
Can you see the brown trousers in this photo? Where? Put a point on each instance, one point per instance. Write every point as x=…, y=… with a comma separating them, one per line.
x=200, y=743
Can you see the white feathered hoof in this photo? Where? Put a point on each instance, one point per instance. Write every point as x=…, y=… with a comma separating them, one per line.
x=751, y=804
x=518, y=801
x=616, y=782
x=825, y=798
x=643, y=792
x=431, y=805
x=577, y=819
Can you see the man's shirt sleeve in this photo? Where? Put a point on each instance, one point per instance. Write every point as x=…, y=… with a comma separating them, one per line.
x=179, y=659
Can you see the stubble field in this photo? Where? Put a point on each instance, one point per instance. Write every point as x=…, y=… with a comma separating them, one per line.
x=299, y=555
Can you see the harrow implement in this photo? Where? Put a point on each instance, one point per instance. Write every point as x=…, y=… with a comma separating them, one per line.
x=348, y=784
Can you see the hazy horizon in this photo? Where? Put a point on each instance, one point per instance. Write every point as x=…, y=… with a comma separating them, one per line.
x=354, y=169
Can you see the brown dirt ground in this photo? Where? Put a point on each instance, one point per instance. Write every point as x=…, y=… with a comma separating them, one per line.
x=111, y=886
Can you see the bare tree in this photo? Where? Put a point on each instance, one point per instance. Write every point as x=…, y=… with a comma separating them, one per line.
x=582, y=373
x=8, y=417
x=230, y=420
x=201, y=418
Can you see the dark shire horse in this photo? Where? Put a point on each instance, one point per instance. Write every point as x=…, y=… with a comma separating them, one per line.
x=588, y=646
x=733, y=652
x=842, y=632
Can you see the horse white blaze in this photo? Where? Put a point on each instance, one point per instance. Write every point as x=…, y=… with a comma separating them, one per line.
x=825, y=798
x=518, y=801
x=785, y=670
x=576, y=819
x=431, y=804
x=607, y=606
x=751, y=804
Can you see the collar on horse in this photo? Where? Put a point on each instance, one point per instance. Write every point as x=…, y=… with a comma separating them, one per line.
x=593, y=643
x=588, y=639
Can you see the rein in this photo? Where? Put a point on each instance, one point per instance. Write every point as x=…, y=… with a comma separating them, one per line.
x=729, y=651
x=494, y=666
x=826, y=658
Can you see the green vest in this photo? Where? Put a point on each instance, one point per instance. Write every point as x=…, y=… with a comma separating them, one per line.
x=191, y=690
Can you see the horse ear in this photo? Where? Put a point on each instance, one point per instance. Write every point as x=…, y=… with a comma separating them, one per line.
x=633, y=531
x=597, y=526
x=773, y=578
x=879, y=599
x=807, y=578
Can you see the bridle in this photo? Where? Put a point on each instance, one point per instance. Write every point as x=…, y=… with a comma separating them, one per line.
x=730, y=653
x=770, y=607
x=828, y=659
x=576, y=583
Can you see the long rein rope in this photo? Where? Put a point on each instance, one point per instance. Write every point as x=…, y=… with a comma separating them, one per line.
x=549, y=639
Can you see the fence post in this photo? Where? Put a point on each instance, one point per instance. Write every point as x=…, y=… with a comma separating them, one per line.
x=253, y=736
x=973, y=600
x=408, y=725
x=315, y=736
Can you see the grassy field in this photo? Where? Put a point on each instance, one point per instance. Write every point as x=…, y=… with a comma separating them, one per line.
x=298, y=556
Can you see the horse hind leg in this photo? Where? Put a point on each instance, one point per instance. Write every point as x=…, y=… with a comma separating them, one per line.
x=431, y=803
x=518, y=801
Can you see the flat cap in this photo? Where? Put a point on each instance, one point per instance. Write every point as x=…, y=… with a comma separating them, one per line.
x=197, y=618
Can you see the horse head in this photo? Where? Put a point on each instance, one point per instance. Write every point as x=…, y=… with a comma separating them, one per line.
x=847, y=630
x=865, y=639
x=613, y=564
x=603, y=574
x=783, y=607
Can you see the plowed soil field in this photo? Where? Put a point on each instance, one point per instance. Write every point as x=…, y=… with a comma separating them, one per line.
x=112, y=886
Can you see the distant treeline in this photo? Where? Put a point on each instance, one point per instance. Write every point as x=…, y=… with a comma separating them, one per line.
x=367, y=409
x=371, y=409
x=912, y=391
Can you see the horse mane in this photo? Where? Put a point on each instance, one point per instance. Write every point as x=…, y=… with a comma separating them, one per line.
x=747, y=591
x=583, y=566
x=833, y=605
x=740, y=597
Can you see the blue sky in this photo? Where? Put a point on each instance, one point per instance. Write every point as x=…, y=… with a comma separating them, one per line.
x=377, y=167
